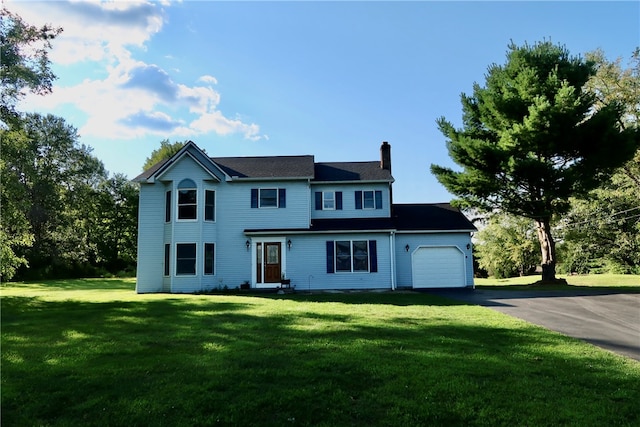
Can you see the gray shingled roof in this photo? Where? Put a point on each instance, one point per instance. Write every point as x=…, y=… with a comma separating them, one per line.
x=404, y=217
x=351, y=171
x=435, y=216
x=267, y=167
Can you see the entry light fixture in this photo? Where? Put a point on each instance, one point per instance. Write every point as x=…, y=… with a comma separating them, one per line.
x=248, y=244
x=289, y=244
x=406, y=248
x=468, y=246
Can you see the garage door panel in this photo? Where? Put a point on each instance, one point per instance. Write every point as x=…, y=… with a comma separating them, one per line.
x=438, y=267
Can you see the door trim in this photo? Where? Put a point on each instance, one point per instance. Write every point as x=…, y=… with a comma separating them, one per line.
x=283, y=260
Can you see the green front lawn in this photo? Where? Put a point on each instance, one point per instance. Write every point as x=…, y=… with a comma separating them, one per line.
x=92, y=352
x=625, y=282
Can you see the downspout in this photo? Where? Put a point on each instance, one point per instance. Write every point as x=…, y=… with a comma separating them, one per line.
x=392, y=248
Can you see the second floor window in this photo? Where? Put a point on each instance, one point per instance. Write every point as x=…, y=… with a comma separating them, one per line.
x=187, y=200
x=268, y=198
x=328, y=200
x=369, y=199
x=209, y=205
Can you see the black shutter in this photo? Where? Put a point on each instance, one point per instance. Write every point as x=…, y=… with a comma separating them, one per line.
x=318, y=200
x=339, y=200
x=254, y=197
x=378, y=199
x=373, y=256
x=282, y=197
x=330, y=256
x=358, y=199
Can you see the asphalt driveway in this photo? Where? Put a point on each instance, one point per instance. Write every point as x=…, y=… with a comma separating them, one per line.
x=608, y=319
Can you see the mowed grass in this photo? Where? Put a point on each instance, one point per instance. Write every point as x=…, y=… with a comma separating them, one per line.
x=93, y=353
x=621, y=282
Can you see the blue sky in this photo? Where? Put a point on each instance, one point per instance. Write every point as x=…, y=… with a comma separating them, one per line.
x=331, y=79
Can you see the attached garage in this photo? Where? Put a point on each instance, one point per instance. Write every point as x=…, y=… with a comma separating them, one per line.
x=438, y=267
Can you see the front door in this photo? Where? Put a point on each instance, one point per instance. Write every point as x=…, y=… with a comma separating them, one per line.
x=272, y=263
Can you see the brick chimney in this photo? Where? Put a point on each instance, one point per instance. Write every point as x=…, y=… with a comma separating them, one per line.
x=385, y=156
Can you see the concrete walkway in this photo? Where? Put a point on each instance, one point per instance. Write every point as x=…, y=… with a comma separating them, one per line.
x=608, y=319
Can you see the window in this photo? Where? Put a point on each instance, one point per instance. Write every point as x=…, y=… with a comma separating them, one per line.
x=167, y=207
x=360, y=255
x=186, y=259
x=369, y=199
x=343, y=256
x=268, y=197
x=352, y=256
x=209, y=253
x=187, y=200
x=328, y=200
x=167, y=252
x=209, y=205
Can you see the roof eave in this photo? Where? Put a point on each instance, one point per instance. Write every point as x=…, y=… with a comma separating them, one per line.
x=413, y=231
x=359, y=181
x=270, y=178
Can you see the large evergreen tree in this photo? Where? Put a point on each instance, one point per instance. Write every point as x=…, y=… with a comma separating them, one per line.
x=532, y=138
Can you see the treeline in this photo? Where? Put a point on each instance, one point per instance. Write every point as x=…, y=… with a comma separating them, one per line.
x=62, y=214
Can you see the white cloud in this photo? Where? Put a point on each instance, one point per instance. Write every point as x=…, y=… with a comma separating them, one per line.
x=93, y=31
x=208, y=79
x=216, y=122
x=135, y=99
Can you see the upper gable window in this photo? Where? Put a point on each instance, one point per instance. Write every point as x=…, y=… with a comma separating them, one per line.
x=187, y=200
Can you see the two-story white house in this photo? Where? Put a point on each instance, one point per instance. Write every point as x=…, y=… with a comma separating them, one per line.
x=208, y=222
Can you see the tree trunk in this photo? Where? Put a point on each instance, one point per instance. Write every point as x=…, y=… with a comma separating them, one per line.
x=548, y=250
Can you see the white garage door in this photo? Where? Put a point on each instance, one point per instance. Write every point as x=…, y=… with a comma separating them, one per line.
x=438, y=267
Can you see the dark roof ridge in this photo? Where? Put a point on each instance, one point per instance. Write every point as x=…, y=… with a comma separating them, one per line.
x=261, y=157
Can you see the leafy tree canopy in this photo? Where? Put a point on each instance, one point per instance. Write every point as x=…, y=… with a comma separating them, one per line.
x=24, y=61
x=602, y=232
x=532, y=138
x=507, y=246
x=166, y=150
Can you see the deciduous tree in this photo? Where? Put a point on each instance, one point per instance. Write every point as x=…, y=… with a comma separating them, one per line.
x=24, y=61
x=602, y=232
x=24, y=67
x=166, y=150
x=507, y=246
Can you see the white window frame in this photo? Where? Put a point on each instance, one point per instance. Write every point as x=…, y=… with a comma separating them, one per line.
x=215, y=205
x=195, y=270
x=351, y=257
x=260, y=190
x=373, y=199
x=204, y=259
x=331, y=200
x=178, y=190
